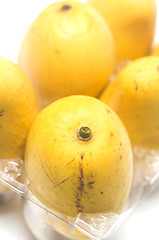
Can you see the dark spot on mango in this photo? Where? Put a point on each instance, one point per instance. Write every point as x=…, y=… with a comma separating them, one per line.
x=136, y=86
x=157, y=68
x=62, y=182
x=78, y=204
x=1, y=112
x=82, y=156
x=57, y=51
x=90, y=184
x=111, y=134
x=101, y=192
x=80, y=188
x=65, y=7
x=108, y=111
x=69, y=162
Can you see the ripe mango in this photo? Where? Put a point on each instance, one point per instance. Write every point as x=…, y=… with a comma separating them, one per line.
x=134, y=96
x=78, y=157
x=132, y=24
x=68, y=49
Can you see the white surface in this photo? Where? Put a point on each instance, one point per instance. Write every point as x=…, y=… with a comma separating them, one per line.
x=12, y=224
x=15, y=17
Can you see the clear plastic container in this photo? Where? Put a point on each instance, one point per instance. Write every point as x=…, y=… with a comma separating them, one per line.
x=44, y=222
x=5, y=194
x=9, y=167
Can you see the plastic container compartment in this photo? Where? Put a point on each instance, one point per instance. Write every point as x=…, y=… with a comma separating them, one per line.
x=10, y=168
x=5, y=194
x=43, y=222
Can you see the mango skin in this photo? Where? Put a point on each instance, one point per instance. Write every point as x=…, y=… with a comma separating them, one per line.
x=68, y=49
x=132, y=24
x=155, y=51
x=134, y=96
x=18, y=109
x=70, y=175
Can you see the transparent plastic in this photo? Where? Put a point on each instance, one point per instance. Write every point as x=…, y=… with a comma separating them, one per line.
x=44, y=222
x=10, y=168
x=5, y=194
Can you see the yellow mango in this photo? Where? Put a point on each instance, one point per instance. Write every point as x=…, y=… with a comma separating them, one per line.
x=18, y=108
x=134, y=96
x=78, y=157
x=132, y=24
x=67, y=50
x=155, y=51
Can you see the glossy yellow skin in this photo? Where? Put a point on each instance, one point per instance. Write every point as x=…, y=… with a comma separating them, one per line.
x=18, y=108
x=67, y=52
x=155, y=51
x=132, y=24
x=134, y=96
x=70, y=175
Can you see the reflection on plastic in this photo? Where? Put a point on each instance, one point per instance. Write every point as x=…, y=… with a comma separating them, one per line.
x=93, y=226
x=12, y=169
x=96, y=226
x=150, y=164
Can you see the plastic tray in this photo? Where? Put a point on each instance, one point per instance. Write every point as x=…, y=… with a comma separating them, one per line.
x=5, y=193
x=43, y=221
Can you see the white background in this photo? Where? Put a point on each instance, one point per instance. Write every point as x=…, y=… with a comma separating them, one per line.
x=15, y=17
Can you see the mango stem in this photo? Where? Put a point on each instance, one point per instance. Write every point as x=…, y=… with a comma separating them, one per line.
x=84, y=134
